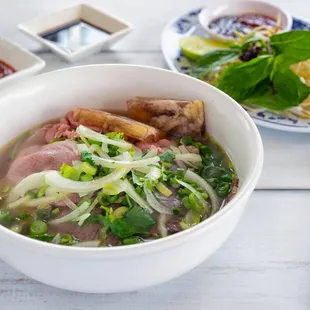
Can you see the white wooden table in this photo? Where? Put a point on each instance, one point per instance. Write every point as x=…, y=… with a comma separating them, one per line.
x=265, y=263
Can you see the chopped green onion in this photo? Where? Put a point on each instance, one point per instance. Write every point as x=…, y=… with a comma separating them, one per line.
x=176, y=211
x=163, y=189
x=31, y=194
x=187, y=140
x=187, y=204
x=88, y=168
x=5, y=217
x=119, y=212
x=16, y=228
x=167, y=157
x=86, y=177
x=85, y=141
x=205, y=150
x=55, y=211
x=66, y=239
x=84, y=199
x=38, y=228
x=131, y=240
x=112, y=199
x=180, y=173
x=6, y=189
x=42, y=191
x=195, y=203
x=69, y=172
x=192, y=218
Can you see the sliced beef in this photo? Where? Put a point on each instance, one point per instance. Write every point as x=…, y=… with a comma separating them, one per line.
x=160, y=146
x=47, y=157
x=86, y=233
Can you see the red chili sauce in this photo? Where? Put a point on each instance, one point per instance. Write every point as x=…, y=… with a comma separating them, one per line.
x=228, y=25
x=5, y=69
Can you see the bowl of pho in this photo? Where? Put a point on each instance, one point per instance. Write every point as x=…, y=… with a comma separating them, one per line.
x=119, y=177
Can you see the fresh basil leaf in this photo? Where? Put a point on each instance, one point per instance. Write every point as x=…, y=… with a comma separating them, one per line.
x=286, y=84
x=293, y=43
x=209, y=61
x=240, y=80
x=270, y=101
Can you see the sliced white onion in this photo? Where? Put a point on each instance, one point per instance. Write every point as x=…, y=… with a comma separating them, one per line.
x=110, y=163
x=154, y=203
x=130, y=191
x=18, y=202
x=184, y=150
x=154, y=174
x=215, y=202
x=56, y=239
x=56, y=180
x=138, y=153
x=153, y=152
x=88, y=244
x=144, y=170
x=82, y=218
x=188, y=157
x=162, y=219
x=70, y=204
x=195, y=192
x=74, y=214
x=105, y=148
x=81, y=147
x=35, y=180
x=91, y=134
x=180, y=163
x=122, y=157
x=99, y=151
x=45, y=200
x=114, y=188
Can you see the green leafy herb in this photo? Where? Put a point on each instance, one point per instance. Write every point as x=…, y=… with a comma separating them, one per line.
x=213, y=59
x=240, y=79
x=167, y=157
x=87, y=157
x=69, y=172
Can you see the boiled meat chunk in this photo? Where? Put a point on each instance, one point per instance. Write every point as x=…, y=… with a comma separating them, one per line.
x=176, y=117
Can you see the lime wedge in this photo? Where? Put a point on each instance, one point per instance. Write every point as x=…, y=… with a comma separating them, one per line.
x=194, y=46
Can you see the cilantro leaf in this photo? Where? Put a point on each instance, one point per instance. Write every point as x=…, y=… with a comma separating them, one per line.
x=167, y=157
x=87, y=157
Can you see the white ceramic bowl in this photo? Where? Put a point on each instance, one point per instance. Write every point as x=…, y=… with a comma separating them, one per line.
x=239, y=7
x=116, y=26
x=127, y=268
x=24, y=62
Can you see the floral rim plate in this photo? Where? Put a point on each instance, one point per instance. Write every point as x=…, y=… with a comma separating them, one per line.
x=188, y=24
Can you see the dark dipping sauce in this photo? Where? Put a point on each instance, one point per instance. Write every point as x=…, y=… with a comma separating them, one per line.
x=75, y=35
x=228, y=25
x=5, y=69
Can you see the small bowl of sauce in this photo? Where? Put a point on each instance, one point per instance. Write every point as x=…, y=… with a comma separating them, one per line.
x=5, y=69
x=242, y=17
x=77, y=31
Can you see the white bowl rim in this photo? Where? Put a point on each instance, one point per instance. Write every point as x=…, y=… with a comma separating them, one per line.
x=167, y=241
x=239, y=3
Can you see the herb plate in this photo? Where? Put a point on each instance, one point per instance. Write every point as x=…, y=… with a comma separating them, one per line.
x=188, y=24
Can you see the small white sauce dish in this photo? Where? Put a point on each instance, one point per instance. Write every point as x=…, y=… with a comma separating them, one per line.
x=242, y=7
x=24, y=62
x=116, y=28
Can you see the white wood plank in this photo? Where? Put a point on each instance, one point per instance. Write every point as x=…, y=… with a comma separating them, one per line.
x=263, y=265
x=148, y=17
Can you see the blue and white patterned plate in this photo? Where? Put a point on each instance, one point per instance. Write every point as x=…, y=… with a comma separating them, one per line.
x=188, y=24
